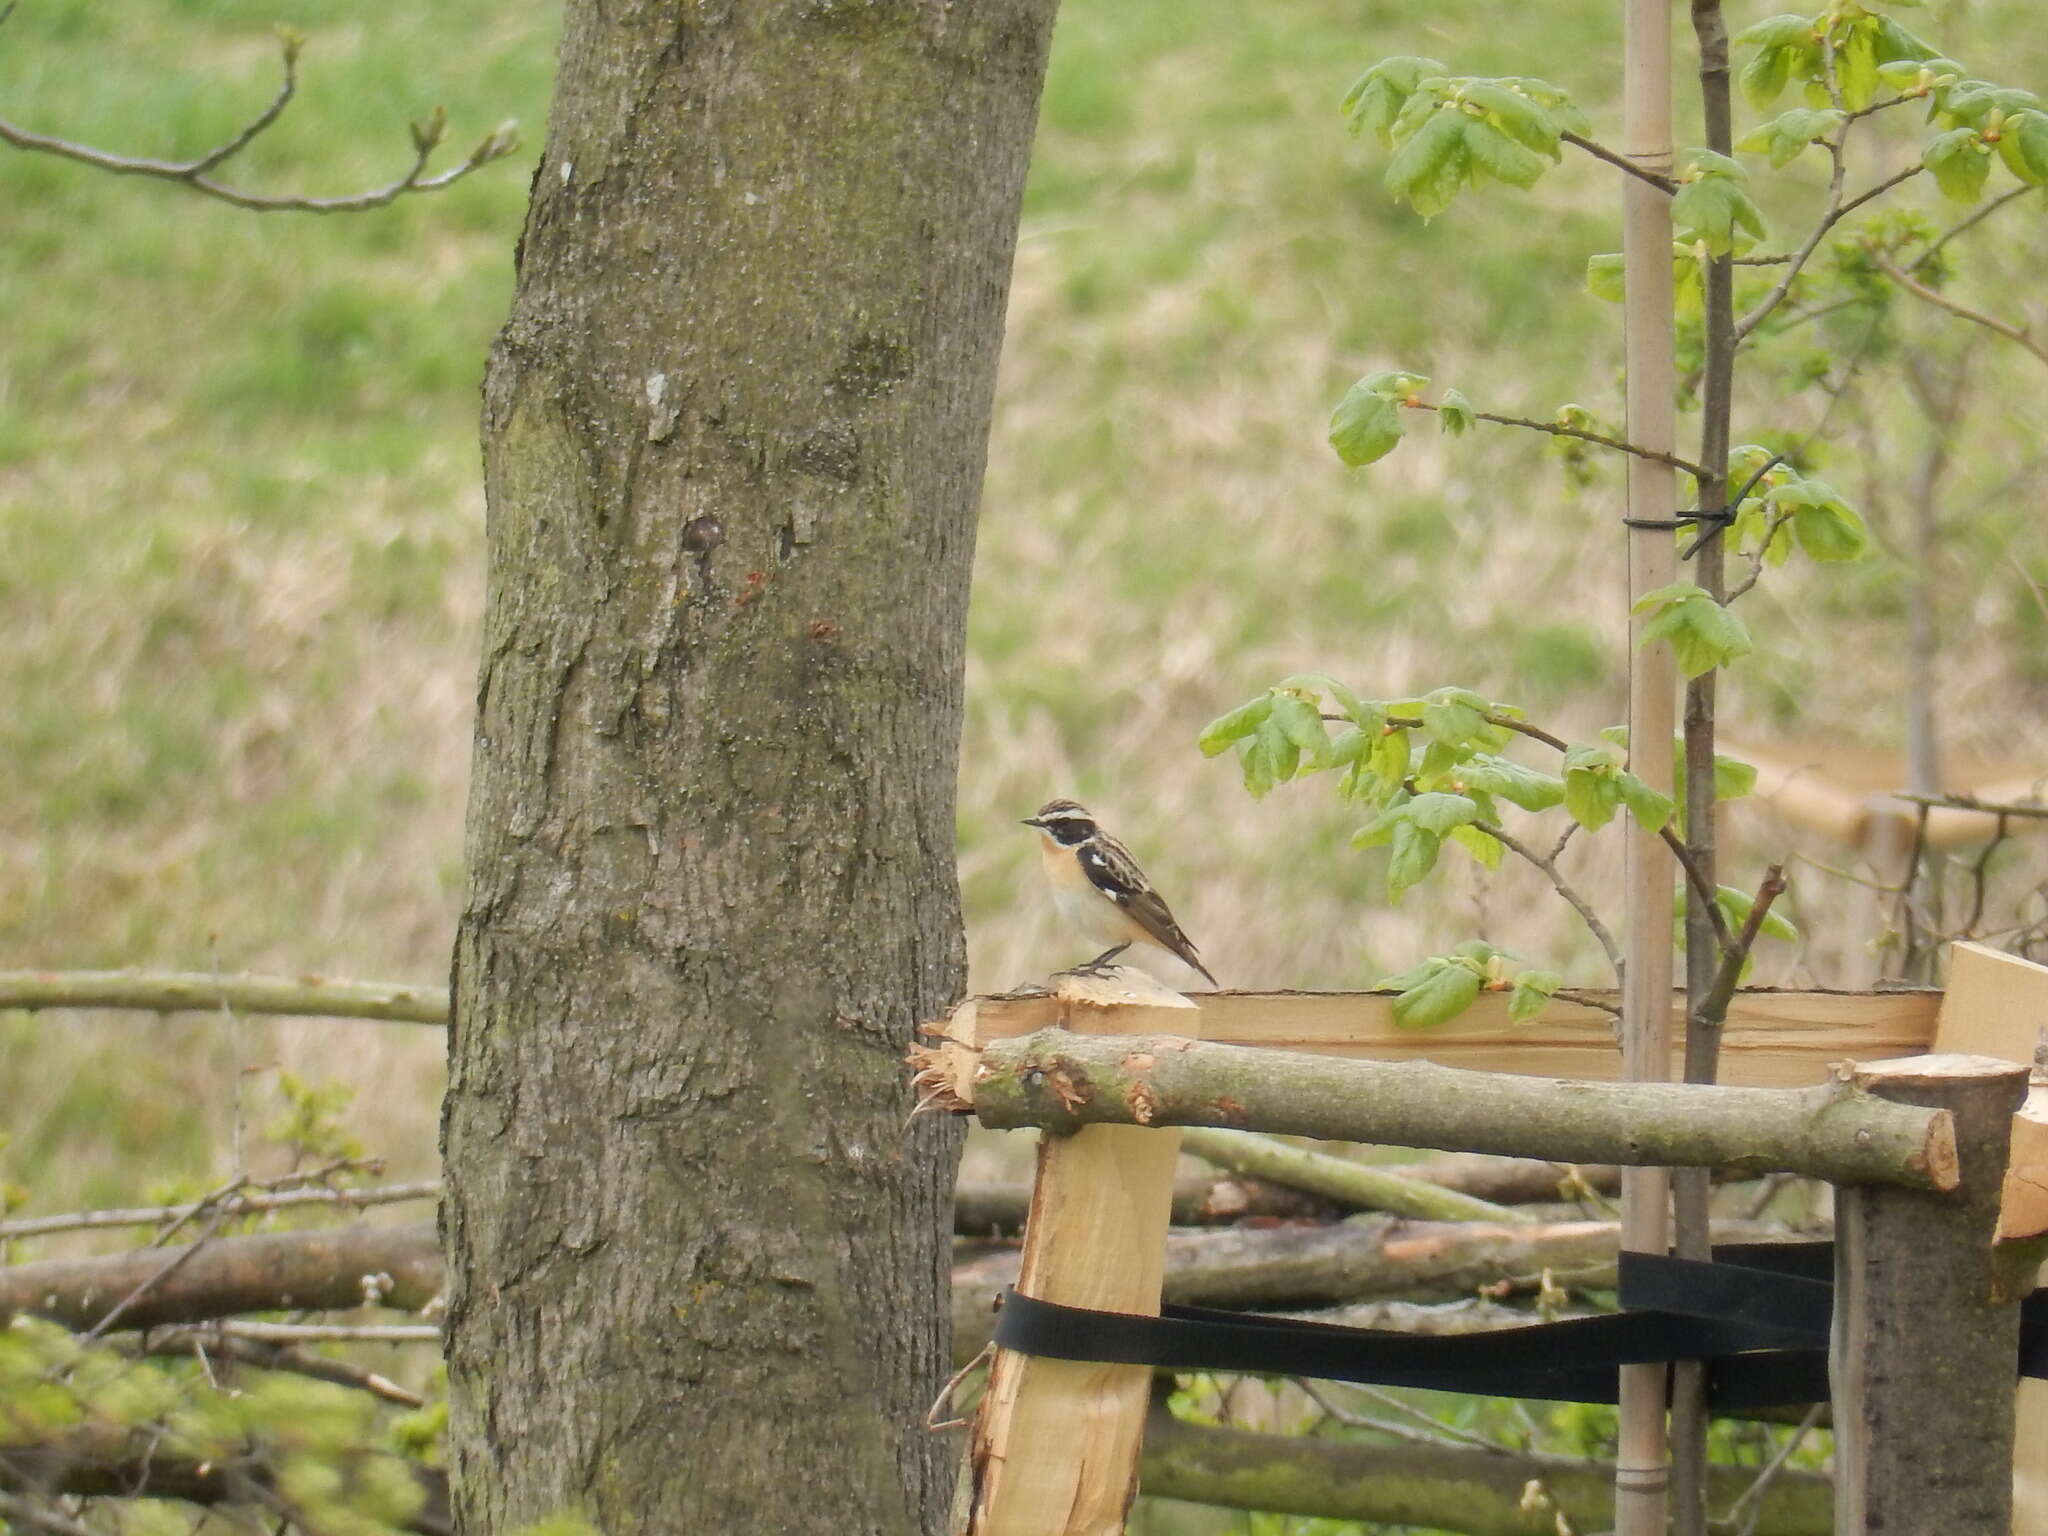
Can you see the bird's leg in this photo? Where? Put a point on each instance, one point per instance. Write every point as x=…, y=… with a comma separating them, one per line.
x=1101, y=962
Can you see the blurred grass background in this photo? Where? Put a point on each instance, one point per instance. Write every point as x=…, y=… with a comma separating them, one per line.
x=241, y=524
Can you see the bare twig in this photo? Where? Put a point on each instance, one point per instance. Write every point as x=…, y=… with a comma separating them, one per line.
x=1714, y=1007
x=2014, y=333
x=1972, y=803
x=426, y=137
x=1963, y=225
x=1696, y=878
x=1562, y=886
x=1620, y=161
x=227, y=1342
x=37, y=1517
x=1619, y=445
x=1505, y=722
x=1434, y=1430
x=157, y=1277
x=1751, y=1498
x=1837, y=211
x=247, y=1202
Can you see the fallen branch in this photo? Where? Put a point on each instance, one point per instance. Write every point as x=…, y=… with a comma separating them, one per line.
x=102, y=1463
x=195, y=991
x=1273, y=1267
x=1062, y=1082
x=1447, y=1488
x=1354, y=1184
x=242, y=1204
x=332, y=1269
x=1513, y=1180
x=999, y=1210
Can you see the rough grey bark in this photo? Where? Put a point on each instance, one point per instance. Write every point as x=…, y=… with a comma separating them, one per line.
x=734, y=434
x=1926, y=1330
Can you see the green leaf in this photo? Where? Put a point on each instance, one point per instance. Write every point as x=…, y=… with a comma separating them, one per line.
x=1299, y=721
x=1365, y=426
x=1650, y=808
x=1784, y=30
x=1766, y=75
x=1438, y=812
x=1703, y=634
x=1445, y=990
x=1487, y=850
x=1269, y=759
x=1454, y=413
x=1961, y=163
x=1349, y=747
x=1604, y=277
x=1380, y=830
x=2024, y=147
x=1219, y=733
x=1366, y=716
x=1502, y=157
x=1856, y=64
x=1531, y=995
x=1515, y=114
x=1430, y=168
x=1529, y=788
x=1388, y=759
x=1378, y=95
x=1712, y=203
x=1830, y=532
x=1895, y=44
x=1732, y=778
x=1591, y=796
x=1454, y=716
x=1787, y=135
x=1415, y=851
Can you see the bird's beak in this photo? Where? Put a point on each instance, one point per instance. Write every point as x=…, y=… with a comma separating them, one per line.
x=1032, y=821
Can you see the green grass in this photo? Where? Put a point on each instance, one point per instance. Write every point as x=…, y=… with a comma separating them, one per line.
x=241, y=526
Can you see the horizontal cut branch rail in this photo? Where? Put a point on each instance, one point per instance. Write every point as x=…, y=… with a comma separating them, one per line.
x=200, y=991
x=1062, y=1082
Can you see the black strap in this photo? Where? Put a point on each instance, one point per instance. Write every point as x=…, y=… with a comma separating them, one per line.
x=1758, y=1315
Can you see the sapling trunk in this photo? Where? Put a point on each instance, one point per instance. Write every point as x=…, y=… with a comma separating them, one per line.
x=1690, y=1187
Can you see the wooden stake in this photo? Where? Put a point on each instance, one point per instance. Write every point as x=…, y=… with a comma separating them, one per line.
x=1924, y=1338
x=1056, y=1442
x=1649, y=343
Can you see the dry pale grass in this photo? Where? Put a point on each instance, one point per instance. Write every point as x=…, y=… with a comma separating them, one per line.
x=1164, y=534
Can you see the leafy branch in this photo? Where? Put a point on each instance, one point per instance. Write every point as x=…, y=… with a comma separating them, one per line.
x=427, y=136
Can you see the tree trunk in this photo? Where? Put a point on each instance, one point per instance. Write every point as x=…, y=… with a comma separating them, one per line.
x=733, y=440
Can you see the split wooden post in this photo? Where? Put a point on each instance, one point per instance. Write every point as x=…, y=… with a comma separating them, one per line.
x=1056, y=1442
x=1925, y=1337
x=1997, y=1005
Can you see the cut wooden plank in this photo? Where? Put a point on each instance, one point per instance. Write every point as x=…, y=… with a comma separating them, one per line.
x=1997, y=1005
x=1774, y=1039
x=1056, y=1442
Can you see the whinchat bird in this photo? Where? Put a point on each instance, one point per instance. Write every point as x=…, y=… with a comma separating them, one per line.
x=1098, y=887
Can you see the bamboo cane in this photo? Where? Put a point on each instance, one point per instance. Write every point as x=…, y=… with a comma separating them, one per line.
x=1648, y=346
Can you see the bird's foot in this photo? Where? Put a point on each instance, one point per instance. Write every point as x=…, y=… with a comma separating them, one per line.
x=1099, y=964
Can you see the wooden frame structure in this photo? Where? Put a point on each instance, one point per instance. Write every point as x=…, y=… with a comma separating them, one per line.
x=1055, y=1444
